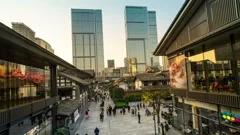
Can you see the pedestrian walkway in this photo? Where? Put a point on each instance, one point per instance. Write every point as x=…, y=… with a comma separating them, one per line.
x=116, y=125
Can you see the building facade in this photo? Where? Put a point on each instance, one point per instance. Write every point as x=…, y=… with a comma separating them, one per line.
x=111, y=64
x=28, y=33
x=141, y=33
x=44, y=44
x=202, y=45
x=24, y=30
x=87, y=40
x=131, y=66
x=28, y=86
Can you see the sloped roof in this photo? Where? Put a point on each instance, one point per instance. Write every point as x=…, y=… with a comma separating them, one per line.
x=150, y=77
x=74, y=78
x=68, y=106
x=152, y=69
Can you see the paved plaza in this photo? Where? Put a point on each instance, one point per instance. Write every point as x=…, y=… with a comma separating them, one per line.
x=116, y=125
x=119, y=124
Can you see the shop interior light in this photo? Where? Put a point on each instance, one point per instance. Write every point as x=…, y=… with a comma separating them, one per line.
x=232, y=119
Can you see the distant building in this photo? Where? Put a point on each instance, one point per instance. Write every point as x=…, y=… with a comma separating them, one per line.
x=141, y=36
x=24, y=30
x=131, y=65
x=122, y=71
x=44, y=44
x=111, y=73
x=28, y=33
x=87, y=40
x=111, y=64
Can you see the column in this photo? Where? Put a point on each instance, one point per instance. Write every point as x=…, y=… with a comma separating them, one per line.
x=54, y=93
x=195, y=118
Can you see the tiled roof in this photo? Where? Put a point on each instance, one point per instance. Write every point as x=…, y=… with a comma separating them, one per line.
x=151, y=77
x=68, y=106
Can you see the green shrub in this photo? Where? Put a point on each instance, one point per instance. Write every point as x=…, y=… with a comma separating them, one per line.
x=118, y=93
x=132, y=97
x=121, y=104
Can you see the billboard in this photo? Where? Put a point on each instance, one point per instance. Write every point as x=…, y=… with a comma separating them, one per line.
x=178, y=76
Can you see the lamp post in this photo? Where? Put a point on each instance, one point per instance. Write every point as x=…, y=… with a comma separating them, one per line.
x=154, y=114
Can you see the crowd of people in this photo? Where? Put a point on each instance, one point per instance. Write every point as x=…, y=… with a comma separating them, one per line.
x=134, y=110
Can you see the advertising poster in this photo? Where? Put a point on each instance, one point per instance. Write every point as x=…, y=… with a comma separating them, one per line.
x=178, y=76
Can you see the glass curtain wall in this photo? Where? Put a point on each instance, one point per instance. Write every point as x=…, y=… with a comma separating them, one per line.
x=211, y=69
x=21, y=84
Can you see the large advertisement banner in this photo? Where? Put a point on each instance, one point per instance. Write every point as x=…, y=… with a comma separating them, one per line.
x=178, y=76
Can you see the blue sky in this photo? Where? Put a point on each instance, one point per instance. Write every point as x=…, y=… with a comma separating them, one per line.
x=51, y=20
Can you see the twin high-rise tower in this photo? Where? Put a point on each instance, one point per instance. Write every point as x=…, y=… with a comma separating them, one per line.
x=87, y=38
x=141, y=34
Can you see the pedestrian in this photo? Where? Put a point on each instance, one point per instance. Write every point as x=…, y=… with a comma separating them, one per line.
x=166, y=126
x=114, y=111
x=107, y=110
x=124, y=110
x=138, y=106
x=162, y=128
x=132, y=112
x=110, y=110
x=96, y=131
x=128, y=109
x=143, y=105
x=139, y=117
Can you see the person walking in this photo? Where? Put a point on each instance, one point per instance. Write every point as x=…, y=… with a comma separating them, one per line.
x=132, y=112
x=110, y=110
x=166, y=127
x=124, y=110
x=128, y=109
x=114, y=111
x=138, y=106
x=96, y=131
x=139, y=117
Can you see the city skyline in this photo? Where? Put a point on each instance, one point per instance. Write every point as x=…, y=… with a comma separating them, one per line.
x=56, y=26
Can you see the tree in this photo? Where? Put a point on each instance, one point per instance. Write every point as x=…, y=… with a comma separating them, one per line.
x=132, y=97
x=156, y=97
x=118, y=93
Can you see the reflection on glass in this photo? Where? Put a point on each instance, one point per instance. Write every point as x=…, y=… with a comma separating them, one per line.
x=22, y=84
x=211, y=70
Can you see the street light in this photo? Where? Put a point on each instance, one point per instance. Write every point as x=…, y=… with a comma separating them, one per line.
x=154, y=114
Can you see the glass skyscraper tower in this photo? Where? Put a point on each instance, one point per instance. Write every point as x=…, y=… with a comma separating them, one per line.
x=141, y=34
x=87, y=40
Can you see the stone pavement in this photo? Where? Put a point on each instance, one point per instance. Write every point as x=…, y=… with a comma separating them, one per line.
x=117, y=125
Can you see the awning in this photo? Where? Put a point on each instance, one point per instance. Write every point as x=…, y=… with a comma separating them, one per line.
x=68, y=106
x=74, y=78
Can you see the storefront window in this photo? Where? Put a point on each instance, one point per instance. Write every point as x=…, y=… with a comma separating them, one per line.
x=21, y=84
x=3, y=84
x=47, y=82
x=211, y=70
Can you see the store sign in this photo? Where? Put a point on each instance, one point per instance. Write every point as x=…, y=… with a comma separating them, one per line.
x=36, y=78
x=231, y=116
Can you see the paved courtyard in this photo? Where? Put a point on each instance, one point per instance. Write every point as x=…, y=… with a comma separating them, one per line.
x=117, y=125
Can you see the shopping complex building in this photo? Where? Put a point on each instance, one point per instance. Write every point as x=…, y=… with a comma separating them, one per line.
x=29, y=87
x=203, y=48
